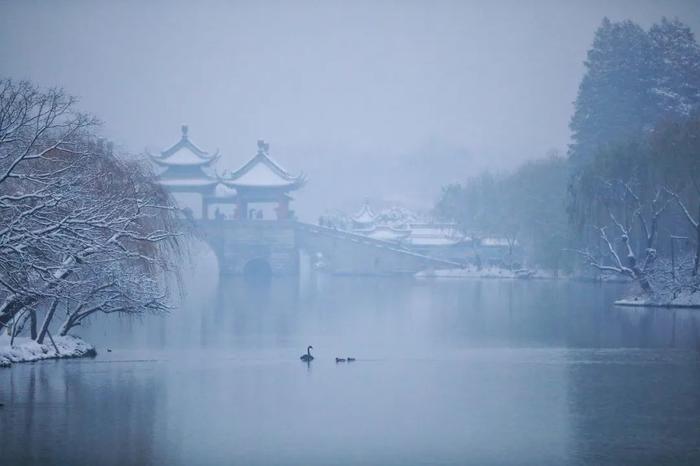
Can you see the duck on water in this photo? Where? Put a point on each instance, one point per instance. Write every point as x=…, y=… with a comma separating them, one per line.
x=307, y=357
x=348, y=359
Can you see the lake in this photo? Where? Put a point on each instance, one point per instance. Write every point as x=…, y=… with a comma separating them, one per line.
x=448, y=372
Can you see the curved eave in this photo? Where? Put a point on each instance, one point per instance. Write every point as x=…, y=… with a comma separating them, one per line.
x=186, y=183
x=365, y=215
x=165, y=163
x=280, y=187
x=262, y=158
x=186, y=143
x=293, y=184
x=202, y=158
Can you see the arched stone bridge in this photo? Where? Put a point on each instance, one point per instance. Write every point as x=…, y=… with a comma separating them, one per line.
x=253, y=245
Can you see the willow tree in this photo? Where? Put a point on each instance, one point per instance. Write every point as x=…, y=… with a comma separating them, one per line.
x=75, y=217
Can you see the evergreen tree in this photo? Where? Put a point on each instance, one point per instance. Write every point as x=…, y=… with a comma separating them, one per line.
x=678, y=82
x=616, y=99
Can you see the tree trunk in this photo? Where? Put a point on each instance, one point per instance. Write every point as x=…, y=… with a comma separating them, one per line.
x=12, y=305
x=47, y=321
x=32, y=324
x=697, y=246
x=644, y=283
x=66, y=326
x=16, y=302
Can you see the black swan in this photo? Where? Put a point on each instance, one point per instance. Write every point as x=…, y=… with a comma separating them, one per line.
x=307, y=357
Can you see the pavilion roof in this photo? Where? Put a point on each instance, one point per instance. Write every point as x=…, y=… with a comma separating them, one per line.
x=184, y=153
x=385, y=232
x=365, y=215
x=223, y=191
x=187, y=182
x=434, y=234
x=263, y=172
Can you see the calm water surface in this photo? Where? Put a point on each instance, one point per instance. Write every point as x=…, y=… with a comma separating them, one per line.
x=447, y=372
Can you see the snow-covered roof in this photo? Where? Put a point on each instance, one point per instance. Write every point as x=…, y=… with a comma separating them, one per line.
x=385, y=232
x=184, y=153
x=263, y=172
x=184, y=182
x=434, y=234
x=432, y=241
x=223, y=191
x=365, y=215
x=495, y=242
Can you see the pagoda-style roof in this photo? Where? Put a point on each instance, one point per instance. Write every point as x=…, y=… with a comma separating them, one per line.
x=365, y=216
x=264, y=173
x=386, y=233
x=180, y=183
x=434, y=234
x=184, y=154
x=222, y=191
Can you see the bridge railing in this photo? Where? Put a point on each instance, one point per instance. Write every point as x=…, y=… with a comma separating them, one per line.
x=362, y=239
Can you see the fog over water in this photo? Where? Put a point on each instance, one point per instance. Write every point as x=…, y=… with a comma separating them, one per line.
x=494, y=339
x=399, y=97
x=447, y=372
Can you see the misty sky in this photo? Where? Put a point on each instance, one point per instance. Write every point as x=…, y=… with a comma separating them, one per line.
x=371, y=99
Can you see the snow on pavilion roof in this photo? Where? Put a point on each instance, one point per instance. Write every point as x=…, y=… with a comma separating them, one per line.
x=385, y=232
x=263, y=172
x=365, y=215
x=184, y=153
x=186, y=182
x=434, y=235
x=224, y=192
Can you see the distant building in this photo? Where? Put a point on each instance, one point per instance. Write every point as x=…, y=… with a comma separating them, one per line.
x=435, y=239
x=364, y=219
x=185, y=168
x=262, y=180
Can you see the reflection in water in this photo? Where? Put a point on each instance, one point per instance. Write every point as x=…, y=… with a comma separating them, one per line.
x=454, y=372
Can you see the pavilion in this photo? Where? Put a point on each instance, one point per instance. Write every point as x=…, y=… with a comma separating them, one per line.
x=185, y=168
x=364, y=219
x=262, y=180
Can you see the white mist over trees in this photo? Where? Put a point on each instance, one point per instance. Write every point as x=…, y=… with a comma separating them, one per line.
x=634, y=79
x=628, y=196
x=526, y=207
x=82, y=231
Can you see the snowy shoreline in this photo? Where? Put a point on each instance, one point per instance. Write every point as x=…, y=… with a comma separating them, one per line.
x=685, y=301
x=28, y=350
x=521, y=274
x=486, y=272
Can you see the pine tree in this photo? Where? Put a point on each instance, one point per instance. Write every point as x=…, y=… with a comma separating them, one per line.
x=616, y=99
x=678, y=82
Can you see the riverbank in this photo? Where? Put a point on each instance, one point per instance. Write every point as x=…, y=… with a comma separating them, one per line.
x=685, y=300
x=28, y=350
x=520, y=274
x=486, y=272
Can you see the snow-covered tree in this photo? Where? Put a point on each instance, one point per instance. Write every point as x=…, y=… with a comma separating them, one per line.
x=678, y=75
x=634, y=79
x=81, y=229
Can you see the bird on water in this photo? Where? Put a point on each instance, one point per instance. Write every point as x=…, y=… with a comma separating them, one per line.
x=307, y=357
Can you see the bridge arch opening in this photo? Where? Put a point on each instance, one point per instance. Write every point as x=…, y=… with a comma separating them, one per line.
x=257, y=268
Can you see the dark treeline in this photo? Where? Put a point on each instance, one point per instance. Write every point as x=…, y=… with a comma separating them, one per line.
x=626, y=198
